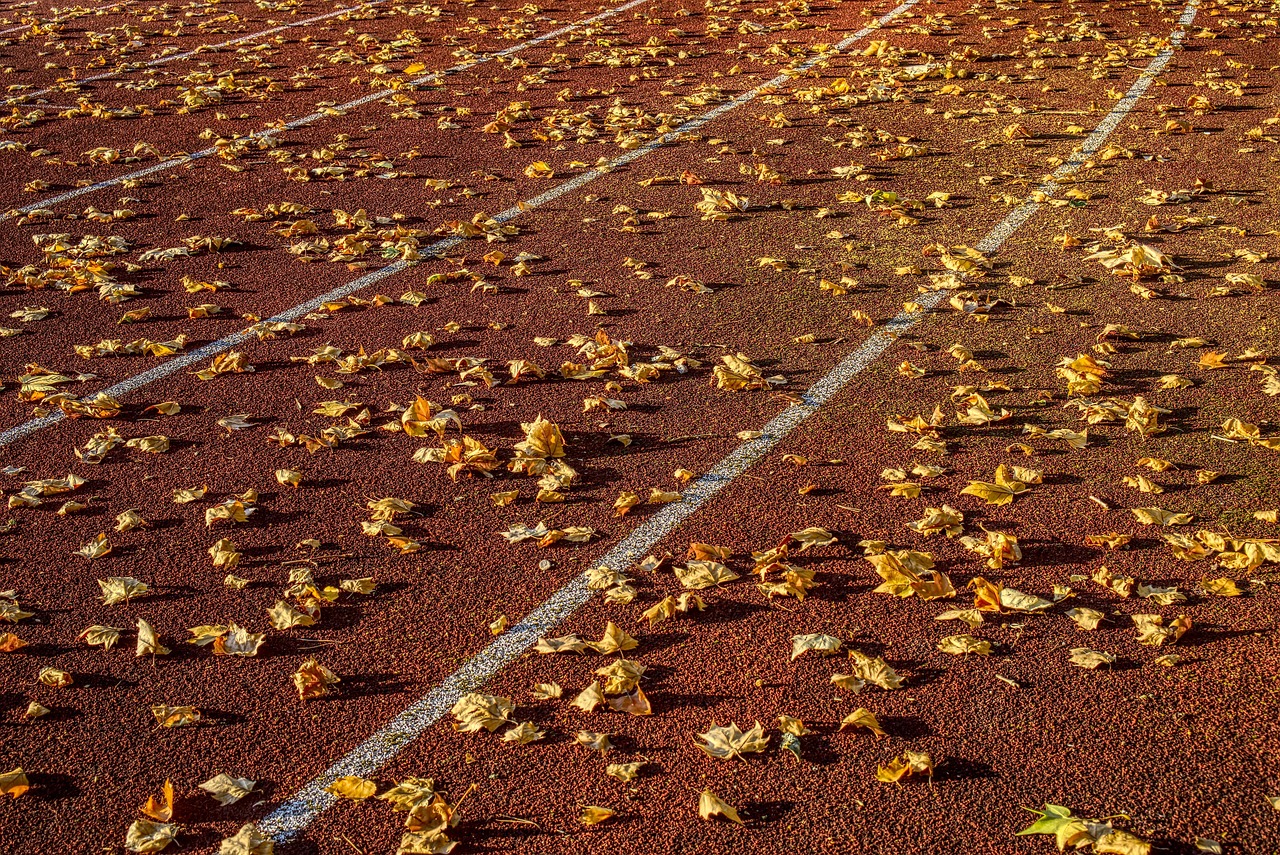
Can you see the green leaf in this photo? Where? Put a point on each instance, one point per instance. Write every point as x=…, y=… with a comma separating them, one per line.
x=1051, y=819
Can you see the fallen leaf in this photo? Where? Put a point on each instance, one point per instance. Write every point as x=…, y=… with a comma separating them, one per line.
x=710, y=805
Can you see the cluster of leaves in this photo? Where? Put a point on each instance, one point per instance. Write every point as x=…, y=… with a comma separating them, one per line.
x=1100, y=398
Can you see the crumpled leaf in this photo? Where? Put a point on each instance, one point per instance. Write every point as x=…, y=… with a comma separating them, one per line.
x=593, y=815
x=162, y=810
x=711, y=805
x=312, y=680
x=146, y=836
x=100, y=636
x=167, y=716
x=1153, y=632
x=249, y=840
x=121, y=589
x=148, y=643
x=14, y=783
x=862, y=717
x=625, y=772
x=817, y=642
x=813, y=536
x=910, y=763
x=54, y=677
x=725, y=743
x=906, y=572
x=226, y=789
x=1091, y=659
x=475, y=712
x=961, y=645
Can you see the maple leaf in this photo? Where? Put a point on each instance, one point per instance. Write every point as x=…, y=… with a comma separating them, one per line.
x=699, y=575
x=1086, y=618
x=590, y=698
x=819, y=643
x=475, y=712
x=725, y=743
x=873, y=670
x=226, y=789
x=862, y=718
x=285, y=616
x=145, y=836
x=410, y=794
x=564, y=644
x=1001, y=492
x=614, y=640
x=1161, y=517
x=523, y=734
x=100, y=636
x=1221, y=587
x=148, y=643
x=1058, y=821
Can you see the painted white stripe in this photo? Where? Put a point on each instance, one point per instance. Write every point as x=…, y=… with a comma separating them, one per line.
x=296, y=814
x=433, y=77
x=261, y=34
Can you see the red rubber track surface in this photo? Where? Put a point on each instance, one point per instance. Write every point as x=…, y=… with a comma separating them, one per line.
x=1181, y=751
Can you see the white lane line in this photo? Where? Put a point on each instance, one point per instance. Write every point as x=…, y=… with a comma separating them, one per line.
x=433, y=77
x=296, y=814
x=208, y=351
x=261, y=34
